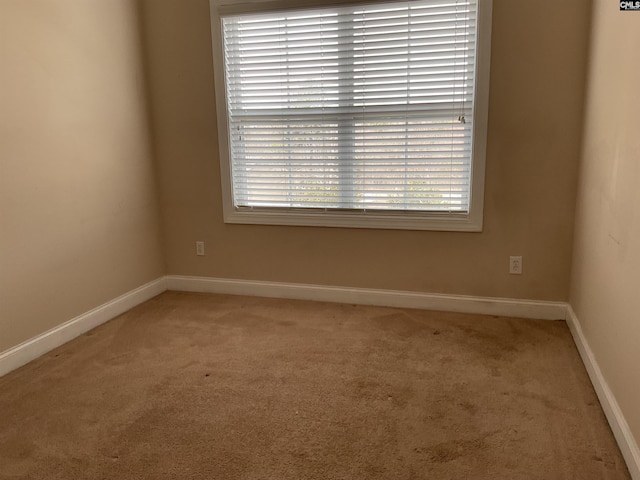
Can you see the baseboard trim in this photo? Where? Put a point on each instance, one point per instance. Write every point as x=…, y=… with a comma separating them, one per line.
x=365, y=296
x=619, y=426
x=27, y=351
x=33, y=348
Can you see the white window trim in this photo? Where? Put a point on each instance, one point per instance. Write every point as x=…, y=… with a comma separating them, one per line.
x=467, y=222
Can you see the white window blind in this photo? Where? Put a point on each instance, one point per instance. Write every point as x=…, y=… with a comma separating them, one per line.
x=352, y=108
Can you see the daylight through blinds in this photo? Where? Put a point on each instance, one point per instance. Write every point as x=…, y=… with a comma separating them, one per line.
x=358, y=107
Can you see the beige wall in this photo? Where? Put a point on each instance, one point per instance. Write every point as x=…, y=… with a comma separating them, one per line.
x=605, y=287
x=539, y=52
x=78, y=207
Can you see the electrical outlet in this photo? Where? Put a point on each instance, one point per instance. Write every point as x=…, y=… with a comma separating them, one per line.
x=515, y=265
x=200, y=248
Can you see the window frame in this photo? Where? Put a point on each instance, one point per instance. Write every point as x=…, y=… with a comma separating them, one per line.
x=403, y=220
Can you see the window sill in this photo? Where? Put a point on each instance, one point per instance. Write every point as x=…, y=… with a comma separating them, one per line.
x=447, y=222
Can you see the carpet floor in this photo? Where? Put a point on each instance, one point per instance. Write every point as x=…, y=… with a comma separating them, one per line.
x=199, y=386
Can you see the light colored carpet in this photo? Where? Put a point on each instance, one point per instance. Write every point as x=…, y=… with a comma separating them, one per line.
x=197, y=386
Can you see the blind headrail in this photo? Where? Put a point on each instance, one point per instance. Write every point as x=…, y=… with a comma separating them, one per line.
x=224, y=8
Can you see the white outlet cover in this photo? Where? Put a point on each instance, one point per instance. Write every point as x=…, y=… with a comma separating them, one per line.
x=515, y=265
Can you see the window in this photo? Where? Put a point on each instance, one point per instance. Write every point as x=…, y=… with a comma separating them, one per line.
x=362, y=115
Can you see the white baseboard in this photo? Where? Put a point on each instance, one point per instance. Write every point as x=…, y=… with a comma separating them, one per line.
x=365, y=296
x=619, y=426
x=25, y=352
x=31, y=349
x=22, y=354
